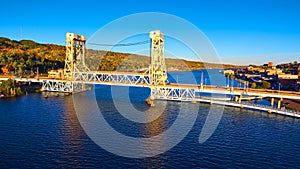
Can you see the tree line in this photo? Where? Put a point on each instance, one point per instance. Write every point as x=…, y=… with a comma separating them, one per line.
x=26, y=56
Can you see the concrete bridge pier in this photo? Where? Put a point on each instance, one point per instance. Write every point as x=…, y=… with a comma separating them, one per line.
x=279, y=103
x=236, y=98
x=150, y=101
x=240, y=98
x=272, y=102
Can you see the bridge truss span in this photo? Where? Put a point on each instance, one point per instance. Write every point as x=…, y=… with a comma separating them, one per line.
x=173, y=93
x=112, y=78
x=57, y=86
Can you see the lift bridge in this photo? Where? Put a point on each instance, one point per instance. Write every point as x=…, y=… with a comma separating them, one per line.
x=77, y=75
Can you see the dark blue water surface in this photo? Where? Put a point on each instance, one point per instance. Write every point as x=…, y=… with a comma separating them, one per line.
x=38, y=132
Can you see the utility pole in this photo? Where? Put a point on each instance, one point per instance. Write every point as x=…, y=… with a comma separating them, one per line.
x=37, y=72
x=201, y=83
x=227, y=80
x=201, y=79
x=231, y=85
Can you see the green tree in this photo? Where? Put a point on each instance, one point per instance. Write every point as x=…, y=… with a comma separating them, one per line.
x=253, y=85
x=265, y=85
x=8, y=88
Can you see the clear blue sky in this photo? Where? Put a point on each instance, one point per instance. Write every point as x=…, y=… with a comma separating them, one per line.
x=242, y=31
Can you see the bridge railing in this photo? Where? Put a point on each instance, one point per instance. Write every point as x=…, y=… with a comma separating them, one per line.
x=269, y=107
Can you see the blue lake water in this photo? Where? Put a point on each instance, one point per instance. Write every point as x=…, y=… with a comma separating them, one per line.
x=37, y=132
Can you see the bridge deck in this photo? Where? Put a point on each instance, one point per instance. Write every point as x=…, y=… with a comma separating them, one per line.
x=265, y=108
x=197, y=88
x=238, y=91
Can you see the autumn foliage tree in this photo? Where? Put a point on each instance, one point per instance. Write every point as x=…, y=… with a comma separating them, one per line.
x=26, y=56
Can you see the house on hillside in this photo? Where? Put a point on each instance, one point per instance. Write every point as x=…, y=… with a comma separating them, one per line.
x=288, y=81
x=56, y=74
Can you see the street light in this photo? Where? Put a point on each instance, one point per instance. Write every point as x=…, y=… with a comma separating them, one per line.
x=227, y=80
x=201, y=83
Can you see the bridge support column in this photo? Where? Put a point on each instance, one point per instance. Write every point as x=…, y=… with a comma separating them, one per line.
x=272, y=102
x=279, y=103
x=240, y=99
x=236, y=98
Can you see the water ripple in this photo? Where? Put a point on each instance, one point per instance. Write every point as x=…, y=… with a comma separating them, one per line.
x=45, y=133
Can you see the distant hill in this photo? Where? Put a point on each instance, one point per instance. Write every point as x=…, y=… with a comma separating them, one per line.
x=133, y=62
x=25, y=56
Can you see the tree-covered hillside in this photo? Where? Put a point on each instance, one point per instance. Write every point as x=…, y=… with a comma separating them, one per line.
x=25, y=57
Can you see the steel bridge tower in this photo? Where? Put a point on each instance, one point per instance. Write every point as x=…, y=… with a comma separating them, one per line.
x=157, y=68
x=75, y=59
x=75, y=55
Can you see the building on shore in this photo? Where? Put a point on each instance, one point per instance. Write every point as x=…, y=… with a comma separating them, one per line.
x=288, y=81
x=56, y=74
x=283, y=76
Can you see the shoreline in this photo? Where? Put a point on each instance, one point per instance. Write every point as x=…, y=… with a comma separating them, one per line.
x=33, y=88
